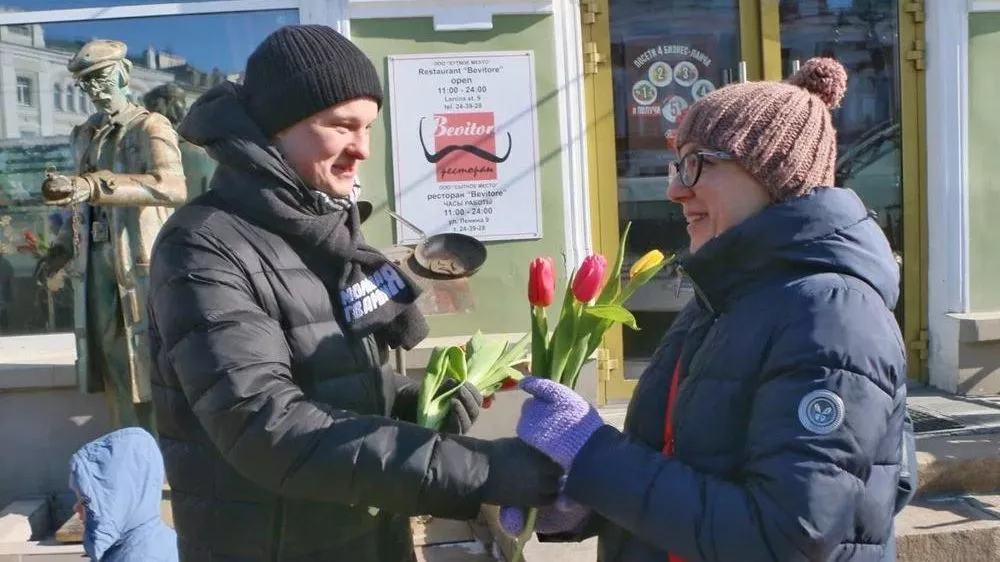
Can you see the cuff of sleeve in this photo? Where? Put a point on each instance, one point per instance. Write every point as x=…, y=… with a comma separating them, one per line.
x=591, y=462
x=611, y=475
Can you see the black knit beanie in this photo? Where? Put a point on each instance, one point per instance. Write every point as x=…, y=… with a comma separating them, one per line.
x=300, y=70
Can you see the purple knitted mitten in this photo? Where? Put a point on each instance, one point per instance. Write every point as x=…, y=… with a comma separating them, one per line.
x=557, y=421
x=561, y=517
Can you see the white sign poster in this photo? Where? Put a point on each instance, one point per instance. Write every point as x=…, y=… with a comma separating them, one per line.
x=465, y=144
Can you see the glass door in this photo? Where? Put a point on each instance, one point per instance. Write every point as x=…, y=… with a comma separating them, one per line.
x=878, y=123
x=664, y=57
x=661, y=56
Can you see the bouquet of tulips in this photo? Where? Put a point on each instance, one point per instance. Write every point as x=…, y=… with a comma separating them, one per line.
x=591, y=306
x=487, y=365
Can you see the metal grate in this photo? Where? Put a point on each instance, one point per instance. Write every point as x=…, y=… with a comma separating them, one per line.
x=924, y=422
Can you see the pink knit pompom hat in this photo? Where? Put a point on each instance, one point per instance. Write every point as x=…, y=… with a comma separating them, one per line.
x=781, y=132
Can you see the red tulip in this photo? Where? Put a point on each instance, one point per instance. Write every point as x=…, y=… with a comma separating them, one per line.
x=589, y=279
x=541, y=282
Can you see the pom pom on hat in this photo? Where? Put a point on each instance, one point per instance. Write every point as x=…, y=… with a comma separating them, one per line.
x=823, y=77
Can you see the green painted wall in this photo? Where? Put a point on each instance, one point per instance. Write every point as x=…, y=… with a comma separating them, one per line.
x=499, y=288
x=984, y=166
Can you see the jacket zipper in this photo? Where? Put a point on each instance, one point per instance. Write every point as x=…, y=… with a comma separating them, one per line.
x=681, y=273
x=714, y=318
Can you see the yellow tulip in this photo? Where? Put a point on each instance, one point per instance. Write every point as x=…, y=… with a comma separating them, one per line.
x=650, y=260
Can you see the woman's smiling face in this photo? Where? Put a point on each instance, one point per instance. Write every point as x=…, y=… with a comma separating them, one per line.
x=721, y=193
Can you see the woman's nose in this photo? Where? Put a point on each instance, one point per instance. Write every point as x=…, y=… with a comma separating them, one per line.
x=677, y=192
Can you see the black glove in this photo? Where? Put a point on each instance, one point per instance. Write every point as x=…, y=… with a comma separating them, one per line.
x=465, y=405
x=519, y=475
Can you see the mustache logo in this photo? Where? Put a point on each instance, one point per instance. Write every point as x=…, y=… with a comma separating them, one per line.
x=434, y=158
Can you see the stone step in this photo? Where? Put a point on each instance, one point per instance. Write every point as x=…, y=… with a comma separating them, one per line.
x=950, y=528
x=24, y=520
x=70, y=532
x=957, y=464
x=446, y=540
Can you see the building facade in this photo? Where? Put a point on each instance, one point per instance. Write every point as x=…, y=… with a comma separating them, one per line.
x=961, y=147
x=608, y=80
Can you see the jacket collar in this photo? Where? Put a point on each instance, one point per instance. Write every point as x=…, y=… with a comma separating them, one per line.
x=805, y=234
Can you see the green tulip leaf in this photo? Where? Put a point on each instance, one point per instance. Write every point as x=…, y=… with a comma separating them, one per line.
x=614, y=284
x=614, y=313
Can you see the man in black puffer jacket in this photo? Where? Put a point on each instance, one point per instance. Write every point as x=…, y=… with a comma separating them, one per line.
x=271, y=320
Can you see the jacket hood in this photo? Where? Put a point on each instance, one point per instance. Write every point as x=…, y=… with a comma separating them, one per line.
x=827, y=231
x=219, y=123
x=120, y=477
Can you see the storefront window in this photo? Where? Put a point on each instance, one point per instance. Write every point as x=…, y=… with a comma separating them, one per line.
x=192, y=52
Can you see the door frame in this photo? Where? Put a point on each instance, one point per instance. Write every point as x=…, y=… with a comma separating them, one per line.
x=760, y=46
x=602, y=173
x=913, y=127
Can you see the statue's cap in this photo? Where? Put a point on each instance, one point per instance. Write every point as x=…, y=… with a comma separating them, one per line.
x=95, y=55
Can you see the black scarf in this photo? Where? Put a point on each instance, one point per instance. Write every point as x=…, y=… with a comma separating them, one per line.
x=373, y=296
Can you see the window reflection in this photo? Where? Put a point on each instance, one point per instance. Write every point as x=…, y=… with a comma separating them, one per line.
x=864, y=36
x=42, y=104
x=665, y=55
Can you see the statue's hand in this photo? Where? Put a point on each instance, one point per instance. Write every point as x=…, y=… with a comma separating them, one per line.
x=59, y=190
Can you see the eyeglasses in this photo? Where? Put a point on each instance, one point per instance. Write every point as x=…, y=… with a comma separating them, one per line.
x=688, y=168
x=98, y=81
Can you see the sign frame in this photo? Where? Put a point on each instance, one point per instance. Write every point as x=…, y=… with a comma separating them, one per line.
x=471, y=99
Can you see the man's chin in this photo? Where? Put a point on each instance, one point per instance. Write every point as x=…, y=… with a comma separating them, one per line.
x=337, y=190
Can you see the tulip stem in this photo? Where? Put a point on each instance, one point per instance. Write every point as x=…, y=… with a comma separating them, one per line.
x=525, y=536
x=539, y=342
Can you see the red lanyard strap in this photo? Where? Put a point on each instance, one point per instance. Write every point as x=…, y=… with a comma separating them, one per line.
x=668, y=429
x=668, y=425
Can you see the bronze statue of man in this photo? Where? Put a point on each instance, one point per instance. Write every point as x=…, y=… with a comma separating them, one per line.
x=170, y=101
x=128, y=178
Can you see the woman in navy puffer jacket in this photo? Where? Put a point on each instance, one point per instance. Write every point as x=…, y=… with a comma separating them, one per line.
x=771, y=423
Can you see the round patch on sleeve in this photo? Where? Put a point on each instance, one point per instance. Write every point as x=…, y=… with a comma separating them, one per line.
x=821, y=412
